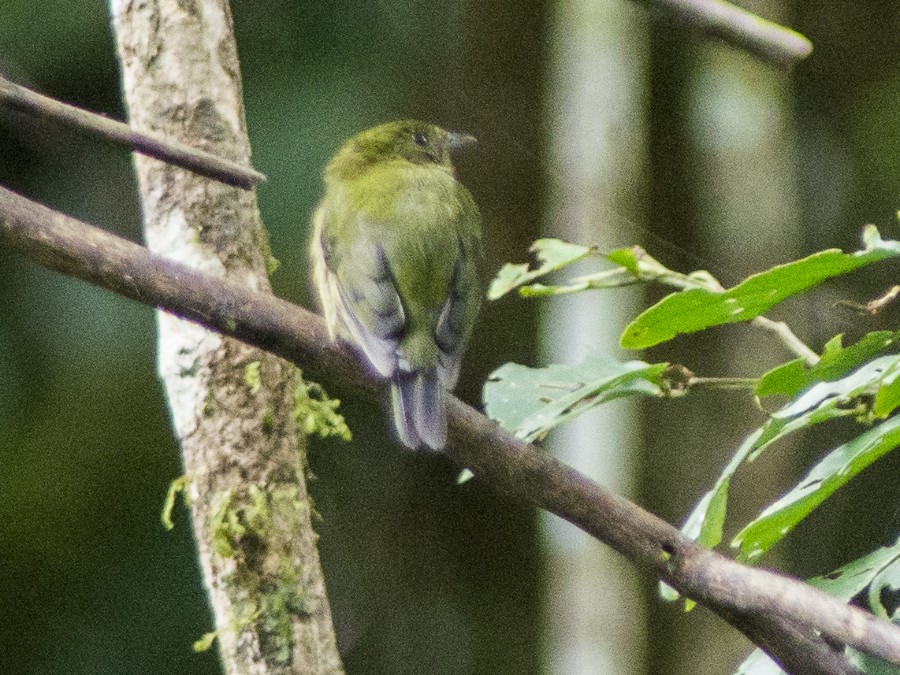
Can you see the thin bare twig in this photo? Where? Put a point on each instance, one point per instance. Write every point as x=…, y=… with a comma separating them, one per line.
x=740, y=594
x=199, y=161
x=724, y=382
x=873, y=307
x=764, y=39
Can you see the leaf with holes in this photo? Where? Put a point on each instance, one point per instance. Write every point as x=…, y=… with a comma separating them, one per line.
x=888, y=580
x=848, y=581
x=829, y=475
x=529, y=402
x=823, y=402
x=695, y=309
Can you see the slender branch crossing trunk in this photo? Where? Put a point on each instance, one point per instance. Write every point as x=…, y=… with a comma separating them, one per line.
x=232, y=405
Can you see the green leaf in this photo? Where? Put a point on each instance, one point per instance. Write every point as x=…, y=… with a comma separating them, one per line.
x=786, y=379
x=615, y=278
x=205, y=641
x=792, y=377
x=822, y=402
x=668, y=593
x=829, y=475
x=551, y=255
x=888, y=397
x=252, y=377
x=529, y=402
x=695, y=309
x=888, y=579
x=178, y=486
x=848, y=581
x=706, y=521
x=866, y=379
x=871, y=665
x=627, y=258
x=465, y=475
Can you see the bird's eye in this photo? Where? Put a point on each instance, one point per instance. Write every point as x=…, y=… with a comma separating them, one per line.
x=420, y=139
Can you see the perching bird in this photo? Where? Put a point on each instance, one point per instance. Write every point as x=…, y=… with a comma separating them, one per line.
x=396, y=253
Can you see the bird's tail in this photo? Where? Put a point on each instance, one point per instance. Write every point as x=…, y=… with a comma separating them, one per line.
x=420, y=413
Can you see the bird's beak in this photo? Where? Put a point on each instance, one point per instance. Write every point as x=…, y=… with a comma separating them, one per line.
x=459, y=141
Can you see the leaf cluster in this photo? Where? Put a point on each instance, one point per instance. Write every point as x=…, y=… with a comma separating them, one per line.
x=860, y=382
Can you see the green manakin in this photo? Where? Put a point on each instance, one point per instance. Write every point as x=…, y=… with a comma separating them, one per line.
x=396, y=253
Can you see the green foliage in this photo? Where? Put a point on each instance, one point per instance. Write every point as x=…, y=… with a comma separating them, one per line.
x=176, y=487
x=859, y=382
x=633, y=265
x=206, y=641
x=850, y=580
x=251, y=526
x=791, y=378
x=532, y=401
x=823, y=402
x=551, y=254
x=226, y=527
x=826, y=477
x=695, y=309
x=252, y=377
x=316, y=413
x=871, y=665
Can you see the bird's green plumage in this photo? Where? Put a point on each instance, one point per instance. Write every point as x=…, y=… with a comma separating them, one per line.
x=397, y=253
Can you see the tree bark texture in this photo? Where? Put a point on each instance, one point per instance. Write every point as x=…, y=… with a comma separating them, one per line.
x=242, y=453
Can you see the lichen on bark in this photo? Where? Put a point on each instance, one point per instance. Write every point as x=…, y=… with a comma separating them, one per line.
x=241, y=448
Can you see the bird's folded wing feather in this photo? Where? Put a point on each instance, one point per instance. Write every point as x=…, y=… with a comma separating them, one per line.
x=458, y=314
x=368, y=304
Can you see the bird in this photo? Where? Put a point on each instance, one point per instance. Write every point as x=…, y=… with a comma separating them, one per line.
x=397, y=260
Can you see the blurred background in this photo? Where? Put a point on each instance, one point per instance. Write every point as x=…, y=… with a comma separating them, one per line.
x=595, y=124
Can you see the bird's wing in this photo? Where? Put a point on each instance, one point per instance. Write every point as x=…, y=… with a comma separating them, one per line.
x=458, y=314
x=367, y=303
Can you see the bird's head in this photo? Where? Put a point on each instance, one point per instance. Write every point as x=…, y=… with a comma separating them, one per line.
x=404, y=140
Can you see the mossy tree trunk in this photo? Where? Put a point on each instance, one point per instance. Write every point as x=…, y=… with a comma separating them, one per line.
x=232, y=406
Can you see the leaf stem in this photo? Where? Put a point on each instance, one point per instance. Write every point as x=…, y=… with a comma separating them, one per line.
x=724, y=382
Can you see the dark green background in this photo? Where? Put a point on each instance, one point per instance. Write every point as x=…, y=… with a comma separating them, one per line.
x=424, y=576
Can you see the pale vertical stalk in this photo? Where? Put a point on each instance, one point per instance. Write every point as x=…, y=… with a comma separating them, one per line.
x=594, y=605
x=742, y=147
x=242, y=454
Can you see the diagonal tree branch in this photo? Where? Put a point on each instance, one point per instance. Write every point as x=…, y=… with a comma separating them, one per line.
x=774, y=610
x=764, y=39
x=20, y=98
x=794, y=645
